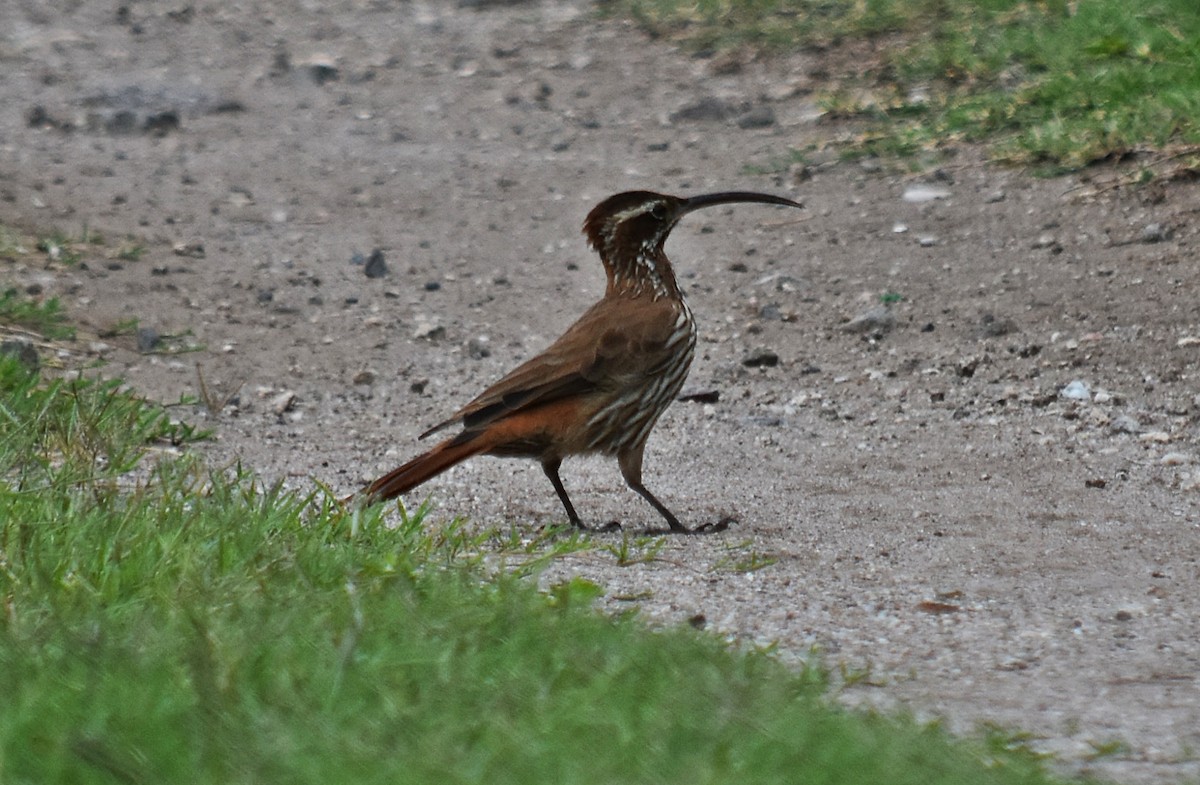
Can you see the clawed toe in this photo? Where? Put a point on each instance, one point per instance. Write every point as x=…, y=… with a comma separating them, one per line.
x=710, y=528
x=713, y=528
x=704, y=528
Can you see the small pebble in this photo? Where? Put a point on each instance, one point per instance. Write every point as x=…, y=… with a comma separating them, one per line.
x=761, y=358
x=478, y=348
x=284, y=402
x=1077, y=390
x=376, y=265
x=770, y=313
x=148, y=339
x=880, y=318
x=1155, y=233
x=917, y=194
x=1125, y=424
x=758, y=117
x=700, y=396
x=193, y=250
x=428, y=330
x=705, y=109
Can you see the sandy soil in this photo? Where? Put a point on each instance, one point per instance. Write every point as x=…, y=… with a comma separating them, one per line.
x=933, y=500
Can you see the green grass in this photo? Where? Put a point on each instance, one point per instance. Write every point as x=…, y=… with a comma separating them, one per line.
x=131, y=252
x=1053, y=84
x=59, y=247
x=45, y=317
x=162, y=621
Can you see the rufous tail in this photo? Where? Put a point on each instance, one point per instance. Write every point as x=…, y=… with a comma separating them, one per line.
x=426, y=466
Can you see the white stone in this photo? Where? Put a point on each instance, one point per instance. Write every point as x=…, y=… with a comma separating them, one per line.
x=1077, y=390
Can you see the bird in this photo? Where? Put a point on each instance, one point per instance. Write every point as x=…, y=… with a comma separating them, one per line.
x=602, y=386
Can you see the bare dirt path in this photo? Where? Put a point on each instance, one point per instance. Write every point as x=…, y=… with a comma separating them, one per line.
x=992, y=502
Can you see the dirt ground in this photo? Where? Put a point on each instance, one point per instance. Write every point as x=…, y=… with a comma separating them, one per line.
x=983, y=503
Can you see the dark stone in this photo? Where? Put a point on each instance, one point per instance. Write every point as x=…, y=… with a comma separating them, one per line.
x=376, y=266
x=700, y=396
x=707, y=109
x=161, y=123
x=477, y=349
x=148, y=339
x=992, y=327
x=24, y=351
x=761, y=358
x=758, y=117
x=321, y=73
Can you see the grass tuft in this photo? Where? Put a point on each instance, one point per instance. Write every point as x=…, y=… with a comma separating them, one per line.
x=1056, y=85
x=46, y=317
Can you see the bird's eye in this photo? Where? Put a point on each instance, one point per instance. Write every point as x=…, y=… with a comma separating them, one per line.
x=658, y=212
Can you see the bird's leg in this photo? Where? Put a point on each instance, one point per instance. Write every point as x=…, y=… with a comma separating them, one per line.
x=550, y=467
x=631, y=469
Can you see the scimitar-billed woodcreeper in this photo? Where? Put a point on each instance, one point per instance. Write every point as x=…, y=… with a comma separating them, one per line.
x=602, y=386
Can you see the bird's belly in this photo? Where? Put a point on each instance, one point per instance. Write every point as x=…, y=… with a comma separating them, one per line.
x=625, y=419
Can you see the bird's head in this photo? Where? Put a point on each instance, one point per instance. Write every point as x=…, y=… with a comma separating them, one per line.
x=629, y=229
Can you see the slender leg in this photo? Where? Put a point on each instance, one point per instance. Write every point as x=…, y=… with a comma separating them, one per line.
x=631, y=469
x=550, y=467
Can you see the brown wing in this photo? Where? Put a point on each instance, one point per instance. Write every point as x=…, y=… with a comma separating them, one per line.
x=612, y=344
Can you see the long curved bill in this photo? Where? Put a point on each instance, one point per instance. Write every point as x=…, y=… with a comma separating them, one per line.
x=734, y=197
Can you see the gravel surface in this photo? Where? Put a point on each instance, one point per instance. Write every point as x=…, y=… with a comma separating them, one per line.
x=955, y=414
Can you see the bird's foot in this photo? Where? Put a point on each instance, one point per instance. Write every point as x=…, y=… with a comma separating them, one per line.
x=704, y=528
x=714, y=527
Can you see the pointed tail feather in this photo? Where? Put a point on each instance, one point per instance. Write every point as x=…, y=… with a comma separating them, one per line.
x=426, y=466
